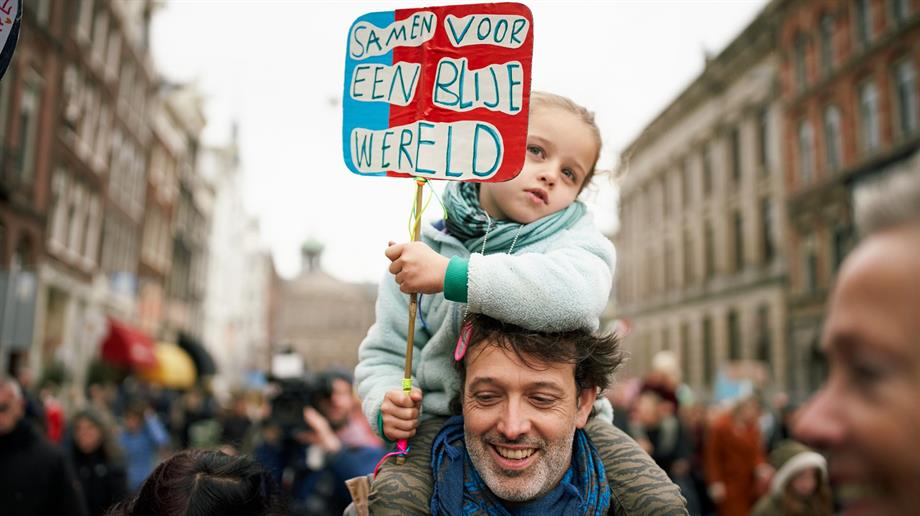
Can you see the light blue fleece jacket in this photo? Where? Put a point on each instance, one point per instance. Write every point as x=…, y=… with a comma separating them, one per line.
x=560, y=283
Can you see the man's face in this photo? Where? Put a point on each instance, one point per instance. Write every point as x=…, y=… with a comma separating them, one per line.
x=866, y=418
x=11, y=409
x=338, y=407
x=519, y=422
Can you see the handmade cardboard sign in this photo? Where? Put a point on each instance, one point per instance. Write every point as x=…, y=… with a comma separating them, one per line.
x=438, y=92
x=10, y=18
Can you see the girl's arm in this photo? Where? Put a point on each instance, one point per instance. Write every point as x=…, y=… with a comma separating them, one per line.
x=382, y=354
x=566, y=287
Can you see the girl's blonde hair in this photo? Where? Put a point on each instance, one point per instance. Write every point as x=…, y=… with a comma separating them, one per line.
x=540, y=99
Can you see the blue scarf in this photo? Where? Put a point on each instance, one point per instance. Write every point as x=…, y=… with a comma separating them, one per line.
x=468, y=222
x=458, y=488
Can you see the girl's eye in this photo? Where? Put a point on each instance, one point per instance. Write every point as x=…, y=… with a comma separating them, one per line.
x=569, y=173
x=535, y=150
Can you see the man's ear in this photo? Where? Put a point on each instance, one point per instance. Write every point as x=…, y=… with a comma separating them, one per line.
x=585, y=404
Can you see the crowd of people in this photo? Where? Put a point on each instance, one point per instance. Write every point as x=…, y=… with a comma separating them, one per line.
x=86, y=460
x=735, y=457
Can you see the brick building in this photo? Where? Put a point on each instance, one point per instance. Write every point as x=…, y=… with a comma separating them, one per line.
x=850, y=91
x=700, y=249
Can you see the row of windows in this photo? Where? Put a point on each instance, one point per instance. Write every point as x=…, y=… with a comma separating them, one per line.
x=831, y=33
x=88, y=118
x=157, y=241
x=187, y=273
x=128, y=175
x=760, y=345
x=19, y=150
x=98, y=31
x=812, y=253
x=905, y=121
x=660, y=198
x=164, y=174
x=119, y=245
x=76, y=221
x=661, y=273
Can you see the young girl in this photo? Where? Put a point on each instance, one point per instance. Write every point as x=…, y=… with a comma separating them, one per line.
x=524, y=251
x=799, y=487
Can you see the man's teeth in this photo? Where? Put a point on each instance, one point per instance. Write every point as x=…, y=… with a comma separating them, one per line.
x=514, y=454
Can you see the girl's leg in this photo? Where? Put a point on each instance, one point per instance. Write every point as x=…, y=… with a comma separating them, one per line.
x=406, y=488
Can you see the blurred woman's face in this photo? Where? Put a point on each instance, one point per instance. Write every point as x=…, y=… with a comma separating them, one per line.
x=805, y=482
x=87, y=435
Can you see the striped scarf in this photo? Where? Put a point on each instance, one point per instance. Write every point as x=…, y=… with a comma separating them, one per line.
x=458, y=488
x=468, y=222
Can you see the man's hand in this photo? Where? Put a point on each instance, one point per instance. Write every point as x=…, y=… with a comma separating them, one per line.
x=417, y=267
x=323, y=435
x=400, y=414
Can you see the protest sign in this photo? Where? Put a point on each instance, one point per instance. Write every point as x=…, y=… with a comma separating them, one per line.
x=10, y=19
x=438, y=92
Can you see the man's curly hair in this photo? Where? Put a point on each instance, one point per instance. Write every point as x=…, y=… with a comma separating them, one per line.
x=596, y=356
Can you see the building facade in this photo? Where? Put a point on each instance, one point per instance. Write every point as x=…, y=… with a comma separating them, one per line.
x=701, y=268
x=239, y=274
x=322, y=318
x=191, y=224
x=29, y=95
x=850, y=90
x=103, y=214
x=76, y=135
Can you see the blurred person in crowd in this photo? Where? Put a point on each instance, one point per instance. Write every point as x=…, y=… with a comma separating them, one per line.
x=268, y=449
x=197, y=427
x=866, y=417
x=659, y=432
x=339, y=405
x=622, y=396
x=655, y=426
x=664, y=378
x=694, y=418
x=235, y=423
x=339, y=445
x=773, y=429
x=34, y=409
x=54, y=413
x=735, y=462
x=205, y=483
x=35, y=477
x=799, y=487
x=101, y=398
x=142, y=438
x=97, y=461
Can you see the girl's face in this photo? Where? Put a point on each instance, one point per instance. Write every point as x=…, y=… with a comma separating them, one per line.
x=804, y=483
x=561, y=152
x=87, y=435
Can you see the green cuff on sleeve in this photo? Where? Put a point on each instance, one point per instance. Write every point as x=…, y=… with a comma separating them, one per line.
x=455, y=279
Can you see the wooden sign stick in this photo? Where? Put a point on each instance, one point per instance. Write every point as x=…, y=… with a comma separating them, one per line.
x=403, y=445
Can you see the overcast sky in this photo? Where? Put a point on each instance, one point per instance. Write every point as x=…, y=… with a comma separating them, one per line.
x=277, y=68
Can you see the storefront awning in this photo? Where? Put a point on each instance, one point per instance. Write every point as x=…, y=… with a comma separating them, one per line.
x=127, y=346
x=174, y=367
x=204, y=363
